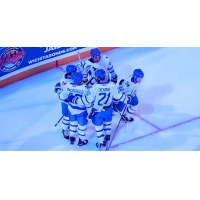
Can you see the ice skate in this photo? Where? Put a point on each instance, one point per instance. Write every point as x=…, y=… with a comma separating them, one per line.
x=101, y=146
x=72, y=141
x=81, y=143
x=65, y=134
x=107, y=137
x=127, y=119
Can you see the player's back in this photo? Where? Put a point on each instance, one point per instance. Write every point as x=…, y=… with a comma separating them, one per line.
x=103, y=94
x=76, y=90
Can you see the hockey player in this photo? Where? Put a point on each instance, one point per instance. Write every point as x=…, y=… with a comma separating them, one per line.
x=101, y=95
x=65, y=80
x=77, y=112
x=129, y=87
x=97, y=61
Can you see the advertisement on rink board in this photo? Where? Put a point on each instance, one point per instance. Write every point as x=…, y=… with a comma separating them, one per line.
x=15, y=58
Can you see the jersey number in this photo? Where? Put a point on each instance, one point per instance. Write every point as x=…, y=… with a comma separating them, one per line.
x=101, y=101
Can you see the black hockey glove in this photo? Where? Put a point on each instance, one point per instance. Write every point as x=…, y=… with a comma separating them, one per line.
x=91, y=114
x=121, y=81
x=114, y=80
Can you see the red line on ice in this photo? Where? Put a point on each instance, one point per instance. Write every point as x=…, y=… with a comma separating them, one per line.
x=179, y=124
x=147, y=121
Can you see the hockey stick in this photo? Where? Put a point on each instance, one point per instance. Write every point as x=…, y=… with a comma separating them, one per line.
x=80, y=59
x=61, y=118
x=107, y=148
x=90, y=81
x=121, y=114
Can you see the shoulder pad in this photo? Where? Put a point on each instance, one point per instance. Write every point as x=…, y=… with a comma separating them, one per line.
x=105, y=57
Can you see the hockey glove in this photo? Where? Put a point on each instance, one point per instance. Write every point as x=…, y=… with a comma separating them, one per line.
x=114, y=80
x=85, y=81
x=121, y=81
x=90, y=115
x=128, y=100
x=58, y=88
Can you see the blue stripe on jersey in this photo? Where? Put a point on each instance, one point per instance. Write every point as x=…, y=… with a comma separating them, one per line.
x=82, y=101
x=89, y=106
x=76, y=107
x=100, y=136
x=73, y=125
x=88, y=67
x=81, y=135
x=110, y=68
x=112, y=71
x=86, y=99
x=107, y=125
x=72, y=131
x=99, y=131
x=107, y=129
x=82, y=130
x=64, y=123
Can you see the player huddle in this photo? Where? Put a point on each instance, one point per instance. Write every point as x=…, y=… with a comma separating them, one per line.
x=88, y=91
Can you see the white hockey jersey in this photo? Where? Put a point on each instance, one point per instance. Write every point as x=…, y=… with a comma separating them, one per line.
x=101, y=95
x=63, y=82
x=88, y=68
x=129, y=87
x=75, y=90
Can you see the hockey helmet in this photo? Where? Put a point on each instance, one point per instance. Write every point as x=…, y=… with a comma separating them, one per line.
x=71, y=69
x=76, y=77
x=138, y=73
x=100, y=73
x=95, y=52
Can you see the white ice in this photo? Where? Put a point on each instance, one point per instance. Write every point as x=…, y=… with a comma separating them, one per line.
x=168, y=118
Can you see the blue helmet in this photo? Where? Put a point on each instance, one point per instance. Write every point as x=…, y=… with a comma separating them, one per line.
x=95, y=52
x=76, y=77
x=138, y=73
x=71, y=69
x=100, y=73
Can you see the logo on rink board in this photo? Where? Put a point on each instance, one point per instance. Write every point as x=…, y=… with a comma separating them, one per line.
x=11, y=58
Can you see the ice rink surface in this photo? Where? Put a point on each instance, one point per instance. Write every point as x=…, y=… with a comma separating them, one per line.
x=168, y=118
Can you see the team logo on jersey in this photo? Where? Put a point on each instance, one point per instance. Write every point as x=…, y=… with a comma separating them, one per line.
x=11, y=58
x=63, y=83
x=127, y=84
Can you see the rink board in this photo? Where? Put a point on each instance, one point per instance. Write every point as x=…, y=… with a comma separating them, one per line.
x=38, y=65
